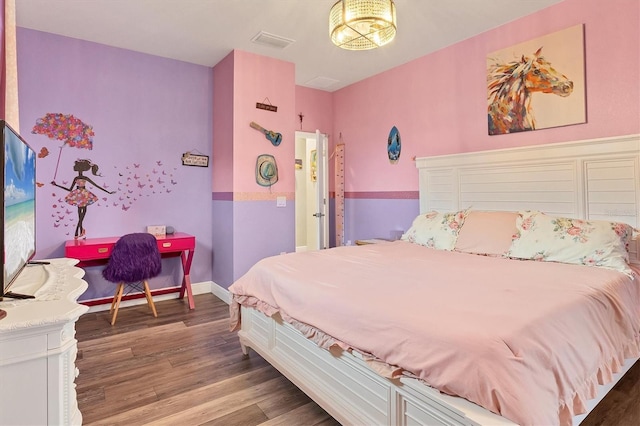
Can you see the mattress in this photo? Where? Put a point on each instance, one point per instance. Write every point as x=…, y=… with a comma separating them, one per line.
x=527, y=340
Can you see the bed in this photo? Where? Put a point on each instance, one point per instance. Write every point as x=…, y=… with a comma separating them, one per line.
x=321, y=319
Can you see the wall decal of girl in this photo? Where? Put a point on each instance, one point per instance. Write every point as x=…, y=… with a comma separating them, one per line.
x=79, y=195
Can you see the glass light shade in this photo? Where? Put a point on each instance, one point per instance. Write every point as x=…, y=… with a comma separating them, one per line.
x=362, y=24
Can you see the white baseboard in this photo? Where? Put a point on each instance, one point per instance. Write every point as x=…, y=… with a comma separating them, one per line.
x=196, y=288
x=220, y=292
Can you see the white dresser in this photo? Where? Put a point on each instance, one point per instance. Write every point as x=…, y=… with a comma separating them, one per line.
x=38, y=346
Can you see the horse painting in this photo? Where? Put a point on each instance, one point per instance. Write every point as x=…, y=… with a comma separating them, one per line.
x=510, y=87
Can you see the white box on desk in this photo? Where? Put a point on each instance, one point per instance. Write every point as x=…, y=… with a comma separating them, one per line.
x=157, y=230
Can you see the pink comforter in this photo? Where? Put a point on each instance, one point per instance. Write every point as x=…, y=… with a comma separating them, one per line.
x=527, y=340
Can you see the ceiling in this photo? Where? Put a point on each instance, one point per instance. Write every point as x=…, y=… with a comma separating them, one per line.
x=205, y=31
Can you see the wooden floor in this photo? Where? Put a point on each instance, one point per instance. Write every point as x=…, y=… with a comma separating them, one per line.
x=186, y=368
x=182, y=368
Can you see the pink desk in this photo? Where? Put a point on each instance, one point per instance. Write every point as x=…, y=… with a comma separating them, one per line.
x=95, y=251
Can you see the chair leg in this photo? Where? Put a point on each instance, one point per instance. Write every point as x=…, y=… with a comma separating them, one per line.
x=116, y=301
x=115, y=296
x=147, y=293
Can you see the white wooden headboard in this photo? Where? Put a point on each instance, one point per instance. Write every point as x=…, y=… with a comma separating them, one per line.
x=592, y=179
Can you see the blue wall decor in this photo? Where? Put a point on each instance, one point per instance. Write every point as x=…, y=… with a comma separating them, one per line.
x=394, y=145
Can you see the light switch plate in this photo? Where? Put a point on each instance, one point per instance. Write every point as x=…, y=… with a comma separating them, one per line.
x=281, y=201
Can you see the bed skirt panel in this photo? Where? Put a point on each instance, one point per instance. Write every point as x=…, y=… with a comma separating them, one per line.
x=342, y=384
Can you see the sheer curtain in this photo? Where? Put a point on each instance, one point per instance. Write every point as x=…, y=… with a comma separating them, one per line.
x=10, y=66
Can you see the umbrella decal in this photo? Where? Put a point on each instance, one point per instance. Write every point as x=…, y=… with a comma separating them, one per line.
x=67, y=128
x=75, y=133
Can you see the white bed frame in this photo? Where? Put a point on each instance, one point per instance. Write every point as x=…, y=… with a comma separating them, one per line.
x=594, y=179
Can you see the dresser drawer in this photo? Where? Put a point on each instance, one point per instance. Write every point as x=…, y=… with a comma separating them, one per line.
x=88, y=252
x=176, y=244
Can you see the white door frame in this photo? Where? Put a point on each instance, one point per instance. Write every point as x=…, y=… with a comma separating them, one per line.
x=316, y=204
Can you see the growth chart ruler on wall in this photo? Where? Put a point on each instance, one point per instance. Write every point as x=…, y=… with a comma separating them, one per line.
x=339, y=189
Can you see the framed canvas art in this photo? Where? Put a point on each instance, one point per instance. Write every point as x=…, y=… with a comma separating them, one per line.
x=537, y=84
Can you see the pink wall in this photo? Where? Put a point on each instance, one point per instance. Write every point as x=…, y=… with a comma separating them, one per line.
x=257, y=78
x=438, y=102
x=248, y=225
x=237, y=89
x=316, y=106
x=240, y=80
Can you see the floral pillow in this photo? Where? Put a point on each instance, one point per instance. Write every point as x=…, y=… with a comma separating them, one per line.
x=436, y=230
x=559, y=239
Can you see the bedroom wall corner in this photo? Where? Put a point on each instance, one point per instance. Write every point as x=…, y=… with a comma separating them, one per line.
x=248, y=224
x=222, y=173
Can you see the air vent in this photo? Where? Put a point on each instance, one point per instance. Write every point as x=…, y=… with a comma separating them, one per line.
x=272, y=40
x=321, y=82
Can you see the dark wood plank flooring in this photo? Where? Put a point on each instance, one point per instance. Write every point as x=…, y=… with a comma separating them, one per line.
x=186, y=368
x=182, y=368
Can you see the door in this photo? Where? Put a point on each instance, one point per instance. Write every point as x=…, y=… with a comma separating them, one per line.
x=321, y=207
x=312, y=191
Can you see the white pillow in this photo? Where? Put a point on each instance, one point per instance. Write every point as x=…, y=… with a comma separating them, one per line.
x=436, y=230
x=559, y=239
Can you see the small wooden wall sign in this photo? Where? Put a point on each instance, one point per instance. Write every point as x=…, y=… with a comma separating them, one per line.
x=198, y=160
x=266, y=107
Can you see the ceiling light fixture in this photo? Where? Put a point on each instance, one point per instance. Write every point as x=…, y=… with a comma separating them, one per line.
x=362, y=24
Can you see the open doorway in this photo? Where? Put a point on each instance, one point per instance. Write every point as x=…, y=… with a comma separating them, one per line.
x=312, y=191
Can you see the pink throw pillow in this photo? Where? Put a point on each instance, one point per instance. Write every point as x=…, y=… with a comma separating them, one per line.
x=488, y=233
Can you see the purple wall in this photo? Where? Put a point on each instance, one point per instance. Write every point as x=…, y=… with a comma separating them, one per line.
x=146, y=111
x=251, y=230
x=262, y=230
x=222, y=223
x=379, y=218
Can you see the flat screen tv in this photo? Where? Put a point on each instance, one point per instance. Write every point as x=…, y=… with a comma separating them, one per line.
x=19, y=205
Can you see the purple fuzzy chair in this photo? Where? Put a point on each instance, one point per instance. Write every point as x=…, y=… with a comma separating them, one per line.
x=135, y=259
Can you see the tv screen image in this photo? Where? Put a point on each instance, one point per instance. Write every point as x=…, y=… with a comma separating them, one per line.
x=19, y=180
